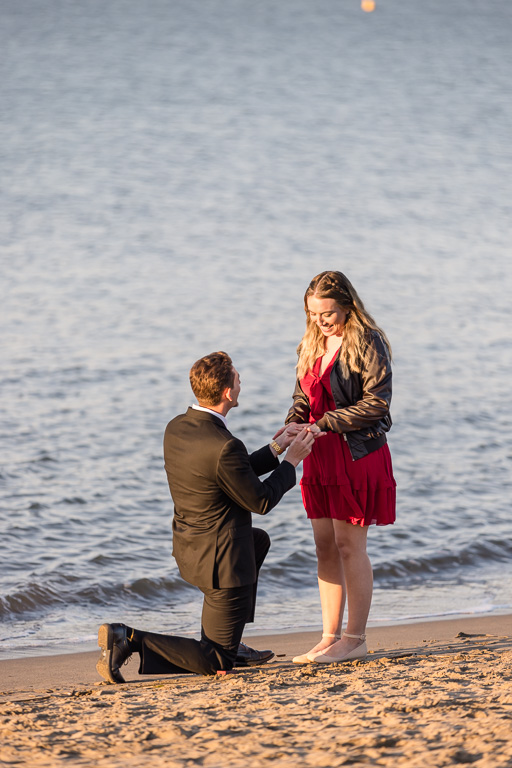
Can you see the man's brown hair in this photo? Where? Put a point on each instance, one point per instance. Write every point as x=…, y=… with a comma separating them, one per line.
x=210, y=376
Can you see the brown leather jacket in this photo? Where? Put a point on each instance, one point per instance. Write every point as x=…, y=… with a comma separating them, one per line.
x=362, y=401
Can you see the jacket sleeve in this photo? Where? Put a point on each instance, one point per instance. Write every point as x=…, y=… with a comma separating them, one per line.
x=263, y=460
x=376, y=394
x=300, y=408
x=238, y=480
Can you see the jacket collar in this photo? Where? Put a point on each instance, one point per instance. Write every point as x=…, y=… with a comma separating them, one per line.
x=207, y=415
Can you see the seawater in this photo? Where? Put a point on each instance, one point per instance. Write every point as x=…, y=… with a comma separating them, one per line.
x=173, y=175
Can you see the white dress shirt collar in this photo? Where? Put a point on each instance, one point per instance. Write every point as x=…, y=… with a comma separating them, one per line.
x=214, y=413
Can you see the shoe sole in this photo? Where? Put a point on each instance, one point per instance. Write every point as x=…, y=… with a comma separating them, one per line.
x=106, y=643
x=253, y=663
x=338, y=661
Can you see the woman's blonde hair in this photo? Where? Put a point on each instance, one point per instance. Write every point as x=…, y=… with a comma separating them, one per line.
x=335, y=285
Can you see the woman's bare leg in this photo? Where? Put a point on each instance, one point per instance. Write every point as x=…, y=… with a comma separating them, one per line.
x=331, y=581
x=351, y=544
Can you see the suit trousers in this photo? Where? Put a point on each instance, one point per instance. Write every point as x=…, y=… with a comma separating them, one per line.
x=225, y=614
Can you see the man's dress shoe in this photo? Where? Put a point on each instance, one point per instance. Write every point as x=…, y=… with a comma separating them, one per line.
x=115, y=650
x=249, y=657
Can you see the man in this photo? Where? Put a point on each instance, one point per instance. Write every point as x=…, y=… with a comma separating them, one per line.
x=215, y=487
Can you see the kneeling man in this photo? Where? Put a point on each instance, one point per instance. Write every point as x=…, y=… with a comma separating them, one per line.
x=215, y=487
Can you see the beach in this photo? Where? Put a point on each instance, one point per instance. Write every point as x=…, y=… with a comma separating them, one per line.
x=432, y=693
x=178, y=173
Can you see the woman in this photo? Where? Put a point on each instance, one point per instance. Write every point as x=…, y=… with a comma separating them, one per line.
x=343, y=389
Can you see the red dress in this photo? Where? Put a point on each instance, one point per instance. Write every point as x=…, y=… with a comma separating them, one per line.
x=333, y=484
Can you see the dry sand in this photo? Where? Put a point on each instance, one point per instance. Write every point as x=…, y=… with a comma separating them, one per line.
x=429, y=694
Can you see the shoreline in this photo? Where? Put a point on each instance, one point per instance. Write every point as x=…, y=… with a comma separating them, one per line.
x=79, y=667
x=429, y=693
x=88, y=645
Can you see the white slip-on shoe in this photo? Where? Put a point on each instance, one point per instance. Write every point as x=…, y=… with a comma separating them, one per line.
x=307, y=658
x=360, y=652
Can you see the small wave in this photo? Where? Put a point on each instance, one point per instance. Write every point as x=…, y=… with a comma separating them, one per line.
x=476, y=610
x=37, y=598
x=45, y=458
x=443, y=561
x=296, y=569
x=299, y=568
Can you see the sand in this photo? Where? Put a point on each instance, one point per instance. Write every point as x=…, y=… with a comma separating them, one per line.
x=429, y=694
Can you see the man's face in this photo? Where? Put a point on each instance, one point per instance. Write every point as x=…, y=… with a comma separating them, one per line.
x=235, y=389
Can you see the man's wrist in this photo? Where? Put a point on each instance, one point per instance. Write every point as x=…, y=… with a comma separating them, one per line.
x=277, y=448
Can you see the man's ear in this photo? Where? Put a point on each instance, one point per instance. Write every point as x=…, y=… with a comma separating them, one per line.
x=226, y=395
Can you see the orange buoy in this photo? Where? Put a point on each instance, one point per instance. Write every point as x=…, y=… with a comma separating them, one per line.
x=368, y=5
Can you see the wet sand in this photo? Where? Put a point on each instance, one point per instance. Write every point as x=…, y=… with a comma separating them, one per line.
x=429, y=694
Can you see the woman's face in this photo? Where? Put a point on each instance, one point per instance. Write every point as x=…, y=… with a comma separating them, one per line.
x=329, y=317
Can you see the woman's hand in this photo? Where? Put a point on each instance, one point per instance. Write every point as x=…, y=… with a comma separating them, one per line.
x=315, y=430
x=285, y=435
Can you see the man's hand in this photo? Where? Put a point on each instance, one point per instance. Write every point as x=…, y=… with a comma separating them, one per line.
x=300, y=447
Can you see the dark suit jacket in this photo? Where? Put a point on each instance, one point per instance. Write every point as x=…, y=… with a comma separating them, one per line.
x=215, y=488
